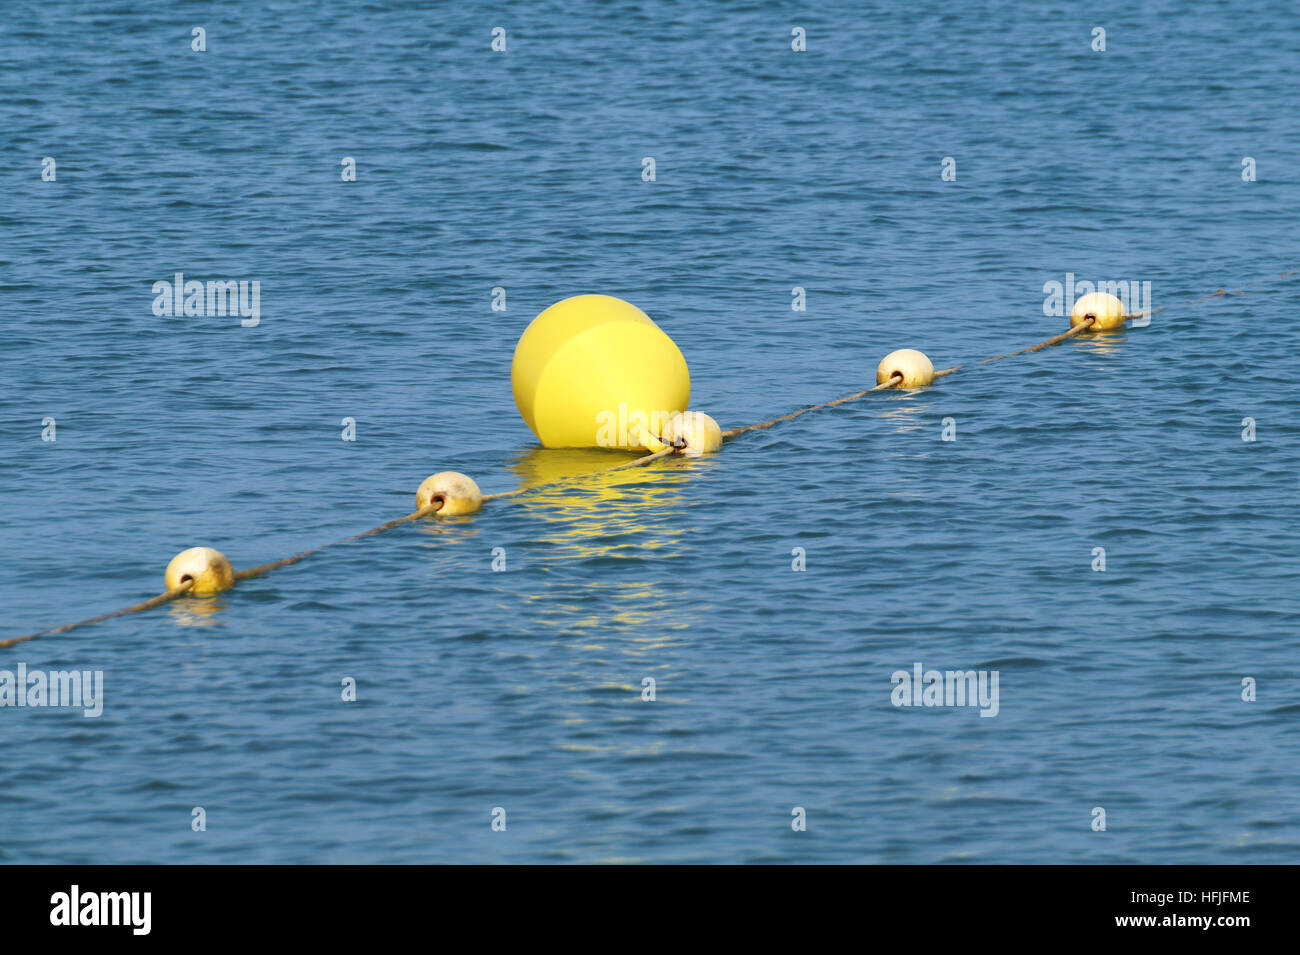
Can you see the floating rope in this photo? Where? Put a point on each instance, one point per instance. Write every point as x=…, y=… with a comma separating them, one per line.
x=261, y=569
x=1218, y=293
x=896, y=379
x=441, y=493
x=433, y=508
x=134, y=608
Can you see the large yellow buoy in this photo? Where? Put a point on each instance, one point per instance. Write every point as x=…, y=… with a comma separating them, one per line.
x=208, y=568
x=594, y=371
x=1105, y=310
x=453, y=493
x=912, y=366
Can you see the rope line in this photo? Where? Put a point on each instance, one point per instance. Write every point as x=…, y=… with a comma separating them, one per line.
x=894, y=380
x=1054, y=340
x=672, y=448
x=149, y=604
x=1218, y=293
x=263, y=569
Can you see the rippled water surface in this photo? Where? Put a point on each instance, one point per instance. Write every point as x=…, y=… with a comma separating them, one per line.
x=521, y=689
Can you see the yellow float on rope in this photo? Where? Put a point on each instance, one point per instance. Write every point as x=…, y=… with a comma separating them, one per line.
x=916, y=370
x=693, y=433
x=594, y=371
x=453, y=493
x=1105, y=310
x=209, y=570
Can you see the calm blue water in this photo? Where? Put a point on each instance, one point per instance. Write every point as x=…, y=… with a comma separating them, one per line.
x=521, y=689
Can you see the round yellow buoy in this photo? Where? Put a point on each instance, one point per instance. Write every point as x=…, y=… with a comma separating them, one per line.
x=1105, y=310
x=208, y=568
x=456, y=493
x=594, y=371
x=693, y=433
x=916, y=369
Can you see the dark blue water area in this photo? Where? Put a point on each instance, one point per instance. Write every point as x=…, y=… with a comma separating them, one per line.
x=1119, y=689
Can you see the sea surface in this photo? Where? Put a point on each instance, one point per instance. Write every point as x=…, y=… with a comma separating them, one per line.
x=516, y=695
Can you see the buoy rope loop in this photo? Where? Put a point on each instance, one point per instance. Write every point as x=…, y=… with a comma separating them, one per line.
x=677, y=444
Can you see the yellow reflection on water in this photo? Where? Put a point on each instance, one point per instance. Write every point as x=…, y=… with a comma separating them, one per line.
x=449, y=530
x=596, y=512
x=1101, y=342
x=578, y=469
x=196, y=611
x=637, y=616
x=586, y=512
